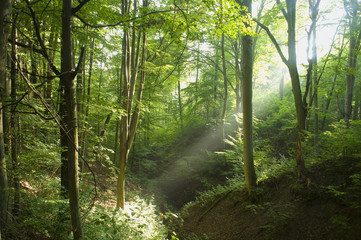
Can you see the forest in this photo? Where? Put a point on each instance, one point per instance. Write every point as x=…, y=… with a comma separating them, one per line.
x=180, y=120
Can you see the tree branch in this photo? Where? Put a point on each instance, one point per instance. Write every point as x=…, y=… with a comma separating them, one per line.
x=122, y=21
x=274, y=41
x=77, y=8
x=41, y=42
x=285, y=14
x=80, y=61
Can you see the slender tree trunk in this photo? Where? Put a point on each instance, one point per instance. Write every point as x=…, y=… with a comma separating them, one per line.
x=295, y=80
x=315, y=83
x=291, y=63
x=281, y=86
x=238, y=76
x=13, y=126
x=312, y=70
x=129, y=122
x=49, y=85
x=247, y=61
x=5, y=19
x=180, y=105
x=355, y=36
x=197, y=73
x=215, y=87
x=87, y=97
x=118, y=125
x=68, y=80
x=225, y=84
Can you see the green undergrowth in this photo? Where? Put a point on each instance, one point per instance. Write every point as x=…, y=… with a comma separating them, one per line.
x=49, y=218
x=137, y=221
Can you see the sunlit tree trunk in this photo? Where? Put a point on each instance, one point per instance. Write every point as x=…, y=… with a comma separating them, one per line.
x=295, y=80
x=118, y=125
x=5, y=19
x=83, y=139
x=247, y=61
x=238, y=75
x=215, y=86
x=131, y=54
x=197, y=73
x=352, y=10
x=312, y=69
x=290, y=15
x=180, y=105
x=225, y=85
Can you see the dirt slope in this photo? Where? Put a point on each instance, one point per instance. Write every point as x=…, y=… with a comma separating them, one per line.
x=286, y=208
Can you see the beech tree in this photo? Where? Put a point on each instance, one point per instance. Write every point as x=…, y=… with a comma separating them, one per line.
x=289, y=14
x=133, y=50
x=312, y=78
x=5, y=20
x=352, y=11
x=67, y=80
x=247, y=72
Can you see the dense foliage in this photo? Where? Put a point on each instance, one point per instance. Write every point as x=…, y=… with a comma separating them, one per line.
x=189, y=135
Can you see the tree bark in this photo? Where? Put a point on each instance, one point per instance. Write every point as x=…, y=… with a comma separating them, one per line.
x=225, y=85
x=84, y=134
x=70, y=119
x=180, y=105
x=129, y=122
x=355, y=36
x=5, y=19
x=13, y=126
x=291, y=63
x=312, y=69
x=247, y=61
x=238, y=76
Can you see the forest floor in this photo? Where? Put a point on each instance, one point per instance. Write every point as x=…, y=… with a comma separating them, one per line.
x=285, y=207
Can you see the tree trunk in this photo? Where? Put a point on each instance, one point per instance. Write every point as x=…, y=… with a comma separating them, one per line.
x=291, y=63
x=129, y=122
x=53, y=42
x=315, y=83
x=312, y=70
x=180, y=105
x=247, y=61
x=215, y=87
x=352, y=58
x=295, y=80
x=13, y=126
x=70, y=120
x=5, y=19
x=281, y=88
x=225, y=97
x=238, y=76
x=84, y=134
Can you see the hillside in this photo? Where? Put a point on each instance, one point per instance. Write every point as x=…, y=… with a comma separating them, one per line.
x=329, y=207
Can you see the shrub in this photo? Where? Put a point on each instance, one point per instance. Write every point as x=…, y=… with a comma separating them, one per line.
x=137, y=221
